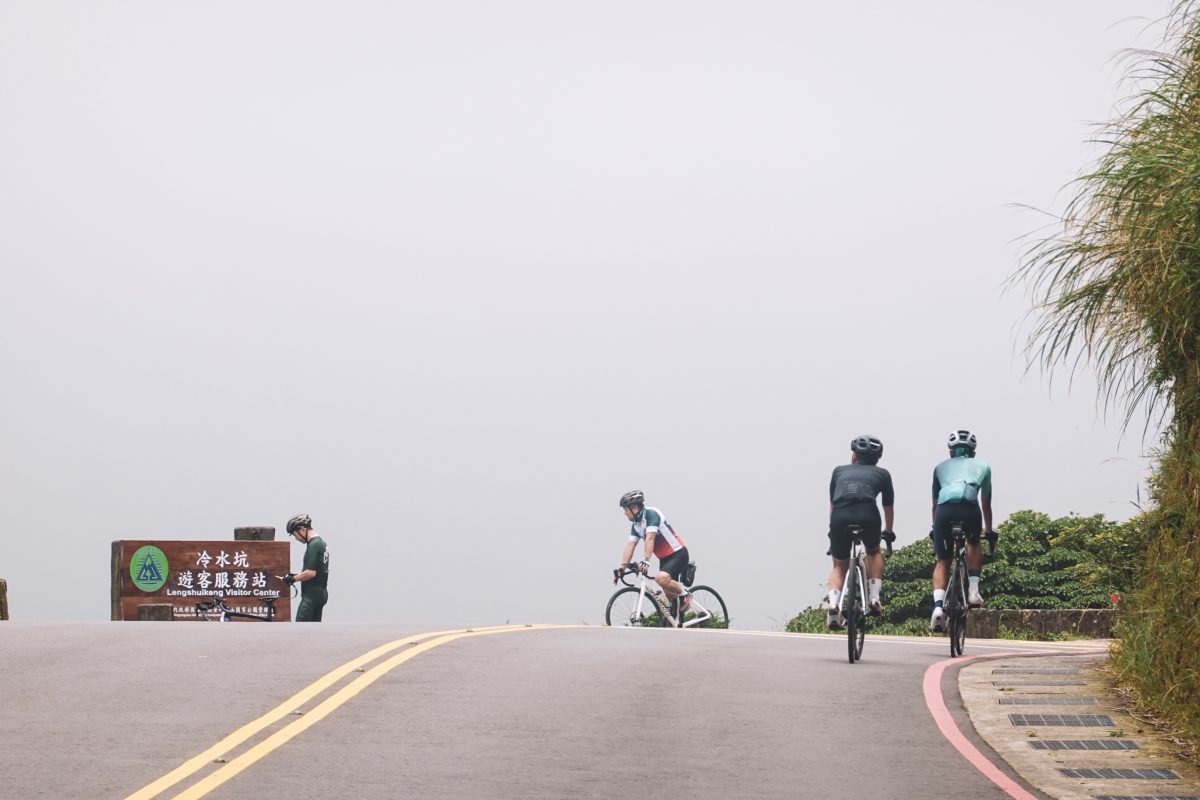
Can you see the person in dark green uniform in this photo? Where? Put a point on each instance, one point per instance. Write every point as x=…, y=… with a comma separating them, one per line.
x=314, y=577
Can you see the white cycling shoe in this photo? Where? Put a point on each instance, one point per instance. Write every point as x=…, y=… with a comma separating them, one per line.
x=974, y=598
x=937, y=623
x=834, y=620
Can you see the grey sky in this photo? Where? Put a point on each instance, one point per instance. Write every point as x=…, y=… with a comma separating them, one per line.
x=451, y=277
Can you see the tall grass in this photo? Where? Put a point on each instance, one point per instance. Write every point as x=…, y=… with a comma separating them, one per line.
x=1118, y=288
x=1158, y=649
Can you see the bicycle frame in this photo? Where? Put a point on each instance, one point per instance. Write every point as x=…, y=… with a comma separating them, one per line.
x=855, y=606
x=660, y=599
x=647, y=587
x=227, y=614
x=854, y=595
x=858, y=558
x=955, y=604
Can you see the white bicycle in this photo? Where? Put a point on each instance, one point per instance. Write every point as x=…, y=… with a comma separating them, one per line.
x=855, y=608
x=645, y=606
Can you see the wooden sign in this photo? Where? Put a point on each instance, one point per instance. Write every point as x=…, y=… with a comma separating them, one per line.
x=243, y=573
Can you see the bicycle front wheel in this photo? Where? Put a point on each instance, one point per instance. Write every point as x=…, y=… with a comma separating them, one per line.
x=707, y=598
x=630, y=608
x=856, y=617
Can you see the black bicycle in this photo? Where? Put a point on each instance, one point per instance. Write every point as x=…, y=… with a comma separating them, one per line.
x=854, y=594
x=956, y=606
x=217, y=610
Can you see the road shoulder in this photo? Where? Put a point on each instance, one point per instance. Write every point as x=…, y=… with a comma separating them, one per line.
x=1058, y=721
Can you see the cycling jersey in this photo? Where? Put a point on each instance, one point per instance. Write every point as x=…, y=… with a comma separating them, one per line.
x=316, y=558
x=961, y=479
x=666, y=540
x=852, y=492
x=860, y=483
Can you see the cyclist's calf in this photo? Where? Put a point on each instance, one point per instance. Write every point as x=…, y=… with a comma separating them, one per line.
x=668, y=584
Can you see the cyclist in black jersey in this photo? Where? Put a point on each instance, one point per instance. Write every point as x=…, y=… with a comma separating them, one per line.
x=852, y=492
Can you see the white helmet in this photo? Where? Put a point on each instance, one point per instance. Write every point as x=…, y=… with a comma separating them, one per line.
x=962, y=439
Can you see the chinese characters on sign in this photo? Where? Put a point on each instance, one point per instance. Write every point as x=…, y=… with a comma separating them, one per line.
x=186, y=573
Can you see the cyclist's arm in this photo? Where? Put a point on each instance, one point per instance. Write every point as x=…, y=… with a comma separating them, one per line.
x=889, y=498
x=985, y=500
x=628, y=554
x=305, y=575
x=650, y=536
x=937, y=489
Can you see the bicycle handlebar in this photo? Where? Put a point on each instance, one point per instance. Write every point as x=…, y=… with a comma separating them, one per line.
x=624, y=571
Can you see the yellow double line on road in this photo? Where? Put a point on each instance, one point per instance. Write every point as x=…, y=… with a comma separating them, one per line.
x=422, y=643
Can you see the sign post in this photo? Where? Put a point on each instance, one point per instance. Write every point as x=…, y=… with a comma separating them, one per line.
x=184, y=573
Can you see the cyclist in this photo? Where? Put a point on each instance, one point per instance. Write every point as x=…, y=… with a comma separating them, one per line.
x=314, y=577
x=962, y=492
x=650, y=526
x=852, y=492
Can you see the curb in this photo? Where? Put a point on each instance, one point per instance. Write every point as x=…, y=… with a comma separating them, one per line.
x=1058, y=722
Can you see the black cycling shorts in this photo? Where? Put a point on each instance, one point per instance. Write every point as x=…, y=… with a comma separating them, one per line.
x=943, y=520
x=674, y=564
x=865, y=515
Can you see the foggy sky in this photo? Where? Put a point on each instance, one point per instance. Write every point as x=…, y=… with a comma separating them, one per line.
x=451, y=277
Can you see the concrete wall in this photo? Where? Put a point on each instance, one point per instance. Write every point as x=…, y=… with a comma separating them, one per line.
x=1094, y=623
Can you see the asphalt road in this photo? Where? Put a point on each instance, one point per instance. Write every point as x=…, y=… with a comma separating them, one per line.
x=102, y=710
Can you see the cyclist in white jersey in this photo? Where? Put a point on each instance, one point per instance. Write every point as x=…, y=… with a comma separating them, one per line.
x=650, y=526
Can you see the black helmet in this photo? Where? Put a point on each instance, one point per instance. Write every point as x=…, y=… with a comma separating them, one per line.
x=634, y=498
x=962, y=438
x=868, y=448
x=297, y=522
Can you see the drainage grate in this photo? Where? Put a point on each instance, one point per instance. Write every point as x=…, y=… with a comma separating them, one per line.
x=1047, y=701
x=1039, y=683
x=1146, y=797
x=1084, y=744
x=1036, y=671
x=1140, y=774
x=1062, y=720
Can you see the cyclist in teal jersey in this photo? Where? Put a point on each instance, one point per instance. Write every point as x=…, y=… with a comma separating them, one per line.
x=314, y=577
x=962, y=492
x=651, y=527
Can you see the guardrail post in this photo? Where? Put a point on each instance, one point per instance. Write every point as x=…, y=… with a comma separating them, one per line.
x=155, y=612
x=254, y=534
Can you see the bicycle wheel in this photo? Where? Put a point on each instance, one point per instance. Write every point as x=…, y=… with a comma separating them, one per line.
x=707, y=598
x=629, y=608
x=855, y=614
x=956, y=608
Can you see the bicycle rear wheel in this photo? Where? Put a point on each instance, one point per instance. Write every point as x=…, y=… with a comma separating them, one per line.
x=708, y=599
x=956, y=608
x=630, y=608
x=855, y=614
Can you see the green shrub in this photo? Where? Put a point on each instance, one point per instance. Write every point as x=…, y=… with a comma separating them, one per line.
x=1069, y=562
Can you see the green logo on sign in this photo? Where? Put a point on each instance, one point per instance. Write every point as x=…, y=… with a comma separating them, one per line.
x=148, y=568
